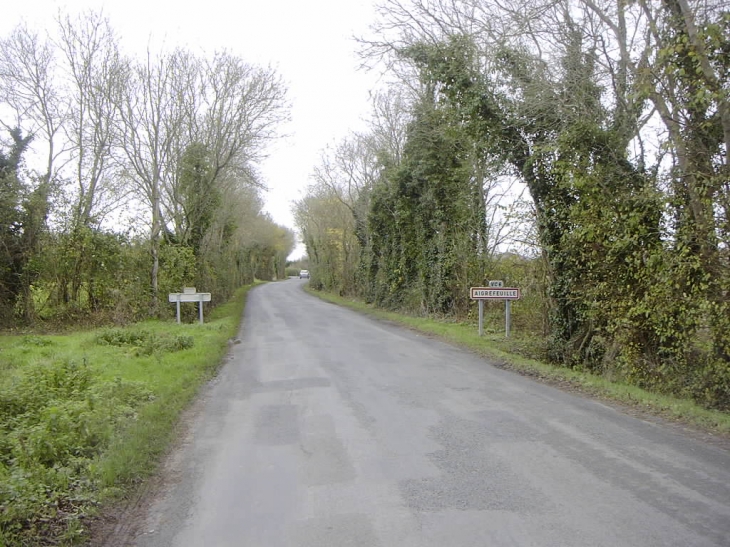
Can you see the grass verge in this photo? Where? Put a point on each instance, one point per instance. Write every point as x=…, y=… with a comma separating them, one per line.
x=84, y=417
x=505, y=354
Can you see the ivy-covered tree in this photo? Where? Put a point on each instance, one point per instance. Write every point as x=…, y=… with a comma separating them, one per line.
x=430, y=236
x=23, y=210
x=197, y=197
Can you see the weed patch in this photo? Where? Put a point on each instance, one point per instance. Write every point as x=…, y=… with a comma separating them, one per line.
x=144, y=342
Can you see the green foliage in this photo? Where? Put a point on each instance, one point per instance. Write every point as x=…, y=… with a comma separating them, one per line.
x=178, y=268
x=199, y=195
x=55, y=419
x=427, y=216
x=123, y=337
x=86, y=416
x=328, y=230
x=22, y=210
x=91, y=276
x=144, y=342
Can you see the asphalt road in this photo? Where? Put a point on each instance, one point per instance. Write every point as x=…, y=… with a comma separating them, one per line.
x=326, y=428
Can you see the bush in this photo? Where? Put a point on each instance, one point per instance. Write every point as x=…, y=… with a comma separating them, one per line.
x=123, y=337
x=144, y=342
x=711, y=385
x=55, y=420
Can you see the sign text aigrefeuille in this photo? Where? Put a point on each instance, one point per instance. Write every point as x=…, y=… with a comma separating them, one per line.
x=491, y=293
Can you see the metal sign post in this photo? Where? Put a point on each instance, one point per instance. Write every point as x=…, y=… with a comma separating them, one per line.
x=189, y=295
x=507, y=317
x=481, y=317
x=495, y=291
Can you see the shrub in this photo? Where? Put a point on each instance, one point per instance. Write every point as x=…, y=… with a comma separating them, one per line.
x=144, y=342
x=55, y=420
x=123, y=337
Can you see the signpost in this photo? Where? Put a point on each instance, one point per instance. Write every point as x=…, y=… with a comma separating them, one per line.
x=189, y=295
x=495, y=291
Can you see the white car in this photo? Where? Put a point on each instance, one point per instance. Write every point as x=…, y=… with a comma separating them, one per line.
x=304, y=274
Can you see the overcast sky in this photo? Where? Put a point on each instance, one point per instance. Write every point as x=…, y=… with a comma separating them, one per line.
x=309, y=43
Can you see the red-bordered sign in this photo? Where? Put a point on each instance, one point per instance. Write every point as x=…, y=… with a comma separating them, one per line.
x=492, y=293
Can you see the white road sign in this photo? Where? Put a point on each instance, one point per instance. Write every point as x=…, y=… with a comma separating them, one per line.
x=189, y=297
x=486, y=293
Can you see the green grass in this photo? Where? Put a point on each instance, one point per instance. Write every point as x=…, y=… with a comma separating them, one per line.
x=513, y=353
x=85, y=417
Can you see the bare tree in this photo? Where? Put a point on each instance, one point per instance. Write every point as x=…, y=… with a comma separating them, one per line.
x=241, y=111
x=96, y=75
x=220, y=113
x=389, y=122
x=153, y=113
x=232, y=115
x=29, y=87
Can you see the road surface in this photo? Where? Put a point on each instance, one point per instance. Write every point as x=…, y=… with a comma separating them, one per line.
x=327, y=428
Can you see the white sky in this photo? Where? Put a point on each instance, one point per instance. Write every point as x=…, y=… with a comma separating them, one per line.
x=309, y=43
